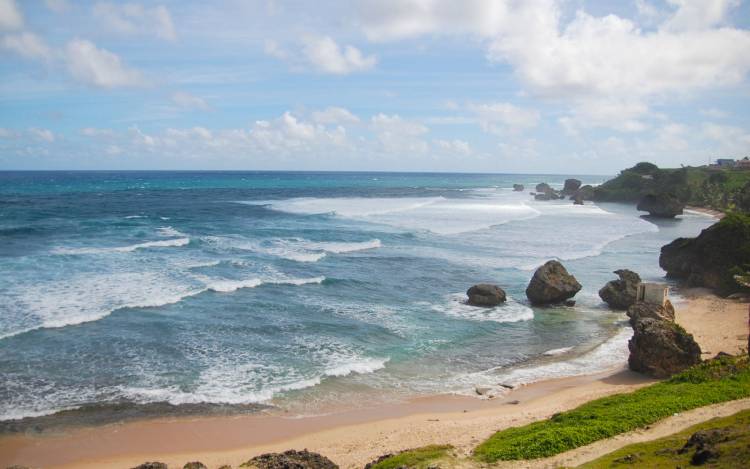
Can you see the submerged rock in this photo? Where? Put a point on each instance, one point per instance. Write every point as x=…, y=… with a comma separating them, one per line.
x=518, y=187
x=642, y=310
x=485, y=294
x=552, y=283
x=661, y=348
x=620, y=294
x=662, y=206
x=291, y=460
x=571, y=186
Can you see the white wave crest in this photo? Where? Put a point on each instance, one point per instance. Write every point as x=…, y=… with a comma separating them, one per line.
x=166, y=243
x=510, y=311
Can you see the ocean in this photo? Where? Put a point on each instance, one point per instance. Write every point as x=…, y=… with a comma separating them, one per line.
x=296, y=289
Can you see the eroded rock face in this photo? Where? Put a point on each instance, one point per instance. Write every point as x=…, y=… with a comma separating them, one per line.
x=641, y=310
x=485, y=294
x=291, y=460
x=661, y=348
x=585, y=193
x=620, y=294
x=708, y=260
x=518, y=187
x=571, y=186
x=552, y=283
x=661, y=205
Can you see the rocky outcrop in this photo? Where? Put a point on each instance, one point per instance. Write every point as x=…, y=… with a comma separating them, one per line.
x=577, y=200
x=642, y=310
x=543, y=187
x=661, y=205
x=620, y=294
x=195, y=465
x=290, y=460
x=585, y=192
x=571, y=186
x=152, y=465
x=661, y=348
x=711, y=259
x=552, y=283
x=485, y=294
x=518, y=187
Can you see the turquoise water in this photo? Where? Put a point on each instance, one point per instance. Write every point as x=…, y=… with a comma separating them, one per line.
x=297, y=289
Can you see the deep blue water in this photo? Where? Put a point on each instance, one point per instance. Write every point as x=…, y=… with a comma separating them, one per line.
x=297, y=288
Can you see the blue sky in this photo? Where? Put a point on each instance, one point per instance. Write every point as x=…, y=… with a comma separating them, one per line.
x=477, y=85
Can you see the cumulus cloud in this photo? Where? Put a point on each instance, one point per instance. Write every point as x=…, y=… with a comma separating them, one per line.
x=730, y=140
x=399, y=136
x=188, y=101
x=10, y=16
x=94, y=132
x=27, y=45
x=694, y=15
x=43, y=134
x=99, y=67
x=324, y=55
x=334, y=115
x=135, y=19
x=454, y=147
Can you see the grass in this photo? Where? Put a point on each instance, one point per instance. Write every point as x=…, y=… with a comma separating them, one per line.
x=711, y=382
x=418, y=458
x=733, y=452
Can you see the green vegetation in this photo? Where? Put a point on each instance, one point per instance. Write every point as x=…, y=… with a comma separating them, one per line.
x=721, y=189
x=418, y=458
x=732, y=449
x=719, y=380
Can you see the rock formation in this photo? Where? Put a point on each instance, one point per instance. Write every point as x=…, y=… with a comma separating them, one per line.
x=485, y=294
x=152, y=465
x=518, y=187
x=641, y=310
x=194, y=465
x=291, y=460
x=577, y=199
x=585, y=192
x=661, y=348
x=552, y=283
x=661, y=205
x=571, y=186
x=620, y=294
x=543, y=187
x=711, y=259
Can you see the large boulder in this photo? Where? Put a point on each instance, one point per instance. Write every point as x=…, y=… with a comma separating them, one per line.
x=642, y=310
x=660, y=205
x=195, y=465
x=571, y=186
x=543, y=187
x=518, y=187
x=291, y=460
x=711, y=259
x=485, y=294
x=661, y=348
x=585, y=192
x=152, y=465
x=577, y=199
x=620, y=294
x=552, y=283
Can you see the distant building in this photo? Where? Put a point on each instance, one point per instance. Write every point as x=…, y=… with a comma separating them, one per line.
x=725, y=162
x=656, y=293
x=743, y=163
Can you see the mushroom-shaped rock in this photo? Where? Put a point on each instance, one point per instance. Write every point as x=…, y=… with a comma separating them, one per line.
x=485, y=294
x=661, y=206
x=291, y=460
x=552, y=283
x=571, y=186
x=620, y=294
x=661, y=348
x=518, y=187
x=642, y=310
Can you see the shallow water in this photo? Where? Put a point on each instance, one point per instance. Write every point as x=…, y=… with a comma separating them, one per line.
x=297, y=288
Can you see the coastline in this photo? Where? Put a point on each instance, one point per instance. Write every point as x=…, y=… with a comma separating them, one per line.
x=717, y=214
x=355, y=437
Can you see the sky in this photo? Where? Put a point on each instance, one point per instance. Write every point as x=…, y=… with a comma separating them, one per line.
x=524, y=86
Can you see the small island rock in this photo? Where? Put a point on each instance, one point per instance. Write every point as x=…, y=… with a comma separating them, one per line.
x=518, y=187
x=485, y=294
x=661, y=348
x=552, y=283
x=571, y=186
x=620, y=294
x=543, y=187
x=661, y=206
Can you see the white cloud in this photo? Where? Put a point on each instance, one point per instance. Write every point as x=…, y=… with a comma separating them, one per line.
x=714, y=113
x=10, y=16
x=7, y=133
x=27, y=45
x=326, y=56
x=728, y=140
x=334, y=115
x=43, y=134
x=617, y=114
x=189, y=101
x=94, y=132
x=504, y=117
x=133, y=19
x=98, y=67
x=456, y=146
x=694, y=15
x=58, y=6
x=399, y=136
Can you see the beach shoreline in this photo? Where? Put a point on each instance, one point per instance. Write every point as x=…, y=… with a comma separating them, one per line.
x=353, y=437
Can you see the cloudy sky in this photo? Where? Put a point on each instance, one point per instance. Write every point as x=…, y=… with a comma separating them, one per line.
x=556, y=86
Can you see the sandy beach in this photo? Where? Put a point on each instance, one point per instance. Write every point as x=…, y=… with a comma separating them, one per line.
x=352, y=438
